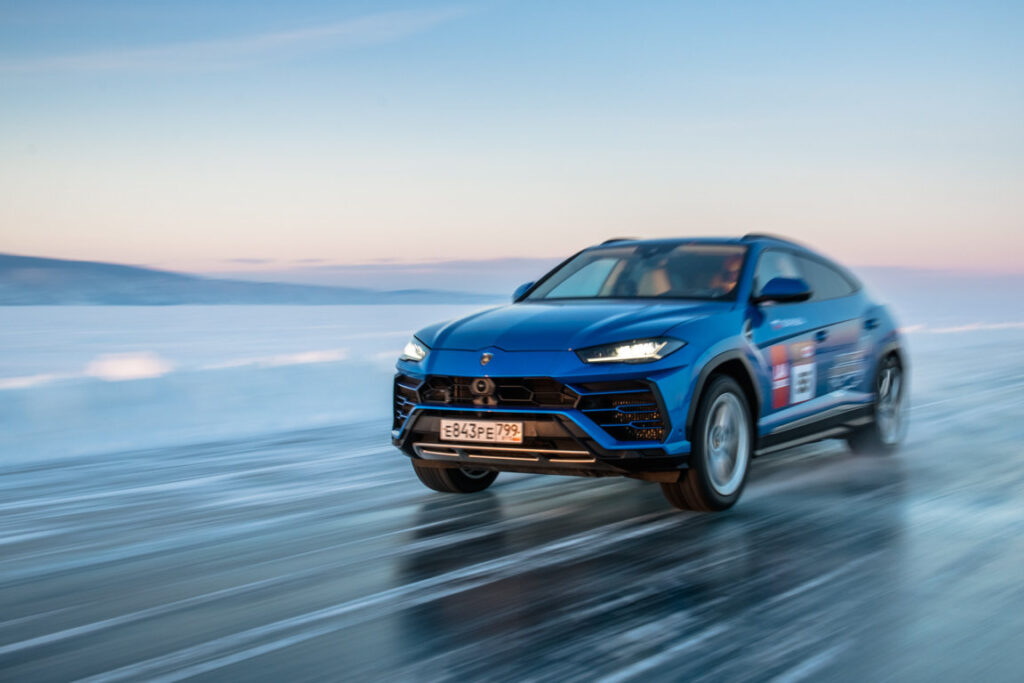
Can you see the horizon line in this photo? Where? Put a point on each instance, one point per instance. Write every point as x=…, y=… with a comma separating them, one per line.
x=312, y=265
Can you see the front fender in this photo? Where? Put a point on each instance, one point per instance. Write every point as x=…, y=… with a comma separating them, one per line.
x=733, y=350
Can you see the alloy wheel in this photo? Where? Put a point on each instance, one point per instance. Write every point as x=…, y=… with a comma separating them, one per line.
x=727, y=444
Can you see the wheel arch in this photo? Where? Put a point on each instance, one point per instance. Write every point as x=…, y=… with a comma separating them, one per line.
x=736, y=365
x=893, y=347
x=896, y=349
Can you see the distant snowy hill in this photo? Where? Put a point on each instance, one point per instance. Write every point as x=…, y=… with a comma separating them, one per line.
x=32, y=281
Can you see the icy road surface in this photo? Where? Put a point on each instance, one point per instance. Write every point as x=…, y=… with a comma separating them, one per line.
x=315, y=554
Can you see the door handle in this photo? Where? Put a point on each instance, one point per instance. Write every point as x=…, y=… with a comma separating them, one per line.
x=871, y=323
x=821, y=335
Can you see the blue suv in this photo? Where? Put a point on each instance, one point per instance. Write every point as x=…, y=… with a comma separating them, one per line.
x=673, y=361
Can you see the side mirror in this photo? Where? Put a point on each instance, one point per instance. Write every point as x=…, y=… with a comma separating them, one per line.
x=784, y=290
x=520, y=290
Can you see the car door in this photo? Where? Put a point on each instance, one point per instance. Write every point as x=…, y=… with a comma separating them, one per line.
x=792, y=340
x=837, y=299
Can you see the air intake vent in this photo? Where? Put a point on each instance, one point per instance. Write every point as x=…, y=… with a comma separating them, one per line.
x=627, y=411
x=406, y=396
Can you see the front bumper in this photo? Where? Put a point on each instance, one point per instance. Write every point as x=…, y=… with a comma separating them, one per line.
x=555, y=441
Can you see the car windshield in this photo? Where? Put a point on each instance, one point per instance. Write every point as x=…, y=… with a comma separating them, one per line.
x=665, y=270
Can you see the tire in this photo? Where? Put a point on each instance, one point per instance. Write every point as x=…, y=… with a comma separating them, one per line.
x=723, y=425
x=888, y=426
x=455, y=479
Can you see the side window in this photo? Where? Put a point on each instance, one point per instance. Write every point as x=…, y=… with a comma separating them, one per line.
x=825, y=282
x=585, y=282
x=772, y=264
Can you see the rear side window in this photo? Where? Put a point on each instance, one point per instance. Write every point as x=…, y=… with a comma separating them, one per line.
x=826, y=283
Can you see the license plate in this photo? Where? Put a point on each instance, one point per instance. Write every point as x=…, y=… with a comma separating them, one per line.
x=474, y=430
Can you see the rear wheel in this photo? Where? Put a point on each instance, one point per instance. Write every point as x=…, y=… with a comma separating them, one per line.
x=722, y=444
x=455, y=479
x=889, y=424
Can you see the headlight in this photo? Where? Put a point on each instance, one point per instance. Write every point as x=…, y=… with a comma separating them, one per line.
x=415, y=351
x=635, y=351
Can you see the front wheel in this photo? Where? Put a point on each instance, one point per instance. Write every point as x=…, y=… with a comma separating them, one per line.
x=889, y=424
x=455, y=479
x=722, y=441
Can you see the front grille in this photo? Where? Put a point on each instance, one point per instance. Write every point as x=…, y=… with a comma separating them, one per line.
x=405, y=397
x=508, y=392
x=627, y=411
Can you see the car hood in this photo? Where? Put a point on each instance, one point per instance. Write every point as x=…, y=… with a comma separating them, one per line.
x=559, y=326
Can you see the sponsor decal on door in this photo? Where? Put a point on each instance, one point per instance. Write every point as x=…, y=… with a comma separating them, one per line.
x=805, y=372
x=780, y=376
x=794, y=373
x=849, y=369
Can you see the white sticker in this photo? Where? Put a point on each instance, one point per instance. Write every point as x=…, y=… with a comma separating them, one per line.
x=805, y=379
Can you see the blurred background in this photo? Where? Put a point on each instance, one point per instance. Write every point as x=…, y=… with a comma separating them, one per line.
x=220, y=222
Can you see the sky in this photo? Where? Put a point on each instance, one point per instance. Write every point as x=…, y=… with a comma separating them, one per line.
x=237, y=136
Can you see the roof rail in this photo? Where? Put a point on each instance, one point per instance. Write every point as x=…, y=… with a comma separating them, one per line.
x=618, y=239
x=769, y=236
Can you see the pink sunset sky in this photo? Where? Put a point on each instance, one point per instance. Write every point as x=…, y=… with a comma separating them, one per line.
x=194, y=138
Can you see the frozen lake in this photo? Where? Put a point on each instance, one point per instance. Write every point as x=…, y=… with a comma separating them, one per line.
x=233, y=510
